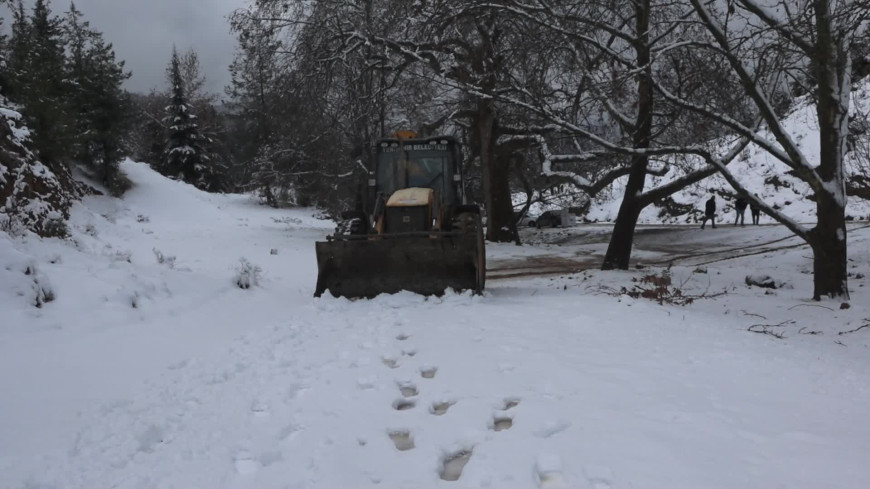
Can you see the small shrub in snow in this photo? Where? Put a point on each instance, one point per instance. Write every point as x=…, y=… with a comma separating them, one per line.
x=142, y=218
x=273, y=251
x=90, y=230
x=286, y=220
x=12, y=225
x=660, y=288
x=43, y=292
x=126, y=256
x=162, y=259
x=56, y=227
x=764, y=281
x=247, y=274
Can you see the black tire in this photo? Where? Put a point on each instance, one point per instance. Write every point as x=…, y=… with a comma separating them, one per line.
x=481, y=256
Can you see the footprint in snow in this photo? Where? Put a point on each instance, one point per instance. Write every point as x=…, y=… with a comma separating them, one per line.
x=390, y=362
x=409, y=353
x=552, y=427
x=259, y=409
x=510, y=403
x=403, y=404
x=501, y=422
x=402, y=337
x=548, y=469
x=408, y=389
x=428, y=372
x=402, y=439
x=245, y=463
x=179, y=365
x=598, y=477
x=151, y=438
x=453, y=463
x=440, y=408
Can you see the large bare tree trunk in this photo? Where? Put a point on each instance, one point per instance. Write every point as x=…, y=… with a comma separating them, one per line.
x=621, y=240
x=496, y=182
x=828, y=239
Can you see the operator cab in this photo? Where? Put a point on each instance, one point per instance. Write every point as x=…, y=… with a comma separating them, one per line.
x=415, y=185
x=420, y=162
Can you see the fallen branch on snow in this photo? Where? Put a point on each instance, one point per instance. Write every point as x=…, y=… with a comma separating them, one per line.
x=859, y=328
x=767, y=329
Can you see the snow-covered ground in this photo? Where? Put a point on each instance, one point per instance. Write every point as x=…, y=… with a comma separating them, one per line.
x=148, y=374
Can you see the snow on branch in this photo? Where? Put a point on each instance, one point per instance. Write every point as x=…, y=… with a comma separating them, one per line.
x=796, y=158
x=765, y=15
x=547, y=159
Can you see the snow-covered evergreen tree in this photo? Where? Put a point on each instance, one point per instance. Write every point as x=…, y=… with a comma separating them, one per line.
x=97, y=101
x=37, y=79
x=32, y=196
x=185, y=156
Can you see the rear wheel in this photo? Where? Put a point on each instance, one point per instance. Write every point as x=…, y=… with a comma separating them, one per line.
x=481, y=256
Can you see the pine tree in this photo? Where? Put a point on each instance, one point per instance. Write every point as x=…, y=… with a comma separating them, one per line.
x=4, y=65
x=32, y=196
x=18, y=51
x=185, y=157
x=38, y=81
x=98, y=101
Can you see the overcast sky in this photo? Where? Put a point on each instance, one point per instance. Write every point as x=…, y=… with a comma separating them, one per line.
x=143, y=32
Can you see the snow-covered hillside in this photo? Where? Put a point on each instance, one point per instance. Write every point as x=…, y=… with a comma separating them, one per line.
x=151, y=368
x=760, y=172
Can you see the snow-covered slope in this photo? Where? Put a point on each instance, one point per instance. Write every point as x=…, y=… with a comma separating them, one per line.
x=148, y=374
x=757, y=170
x=32, y=196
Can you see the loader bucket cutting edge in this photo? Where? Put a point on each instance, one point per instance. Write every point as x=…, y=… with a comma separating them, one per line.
x=366, y=268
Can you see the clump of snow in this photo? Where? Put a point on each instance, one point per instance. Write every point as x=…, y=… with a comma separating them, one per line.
x=42, y=291
x=247, y=274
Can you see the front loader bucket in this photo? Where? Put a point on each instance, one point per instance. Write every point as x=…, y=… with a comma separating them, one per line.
x=423, y=264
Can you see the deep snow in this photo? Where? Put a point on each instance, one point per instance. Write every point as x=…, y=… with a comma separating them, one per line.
x=148, y=374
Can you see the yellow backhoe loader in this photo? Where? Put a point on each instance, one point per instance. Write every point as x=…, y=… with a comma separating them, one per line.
x=415, y=232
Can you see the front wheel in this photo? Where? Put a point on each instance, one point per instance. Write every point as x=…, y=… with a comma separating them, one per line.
x=353, y=226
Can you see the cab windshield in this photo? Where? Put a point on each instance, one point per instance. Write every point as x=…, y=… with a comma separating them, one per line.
x=400, y=168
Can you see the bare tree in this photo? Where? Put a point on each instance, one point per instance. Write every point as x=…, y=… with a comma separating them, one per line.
x=816, y=35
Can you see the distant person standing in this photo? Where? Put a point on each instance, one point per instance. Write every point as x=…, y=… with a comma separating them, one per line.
x=710, y=212
x=755, y=211
x=740, y=209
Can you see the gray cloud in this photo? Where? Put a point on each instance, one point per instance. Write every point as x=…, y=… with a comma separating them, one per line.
x=143, y=32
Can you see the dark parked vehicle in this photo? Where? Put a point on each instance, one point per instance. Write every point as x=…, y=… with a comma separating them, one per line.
x=523, y=219
x=549, y=219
